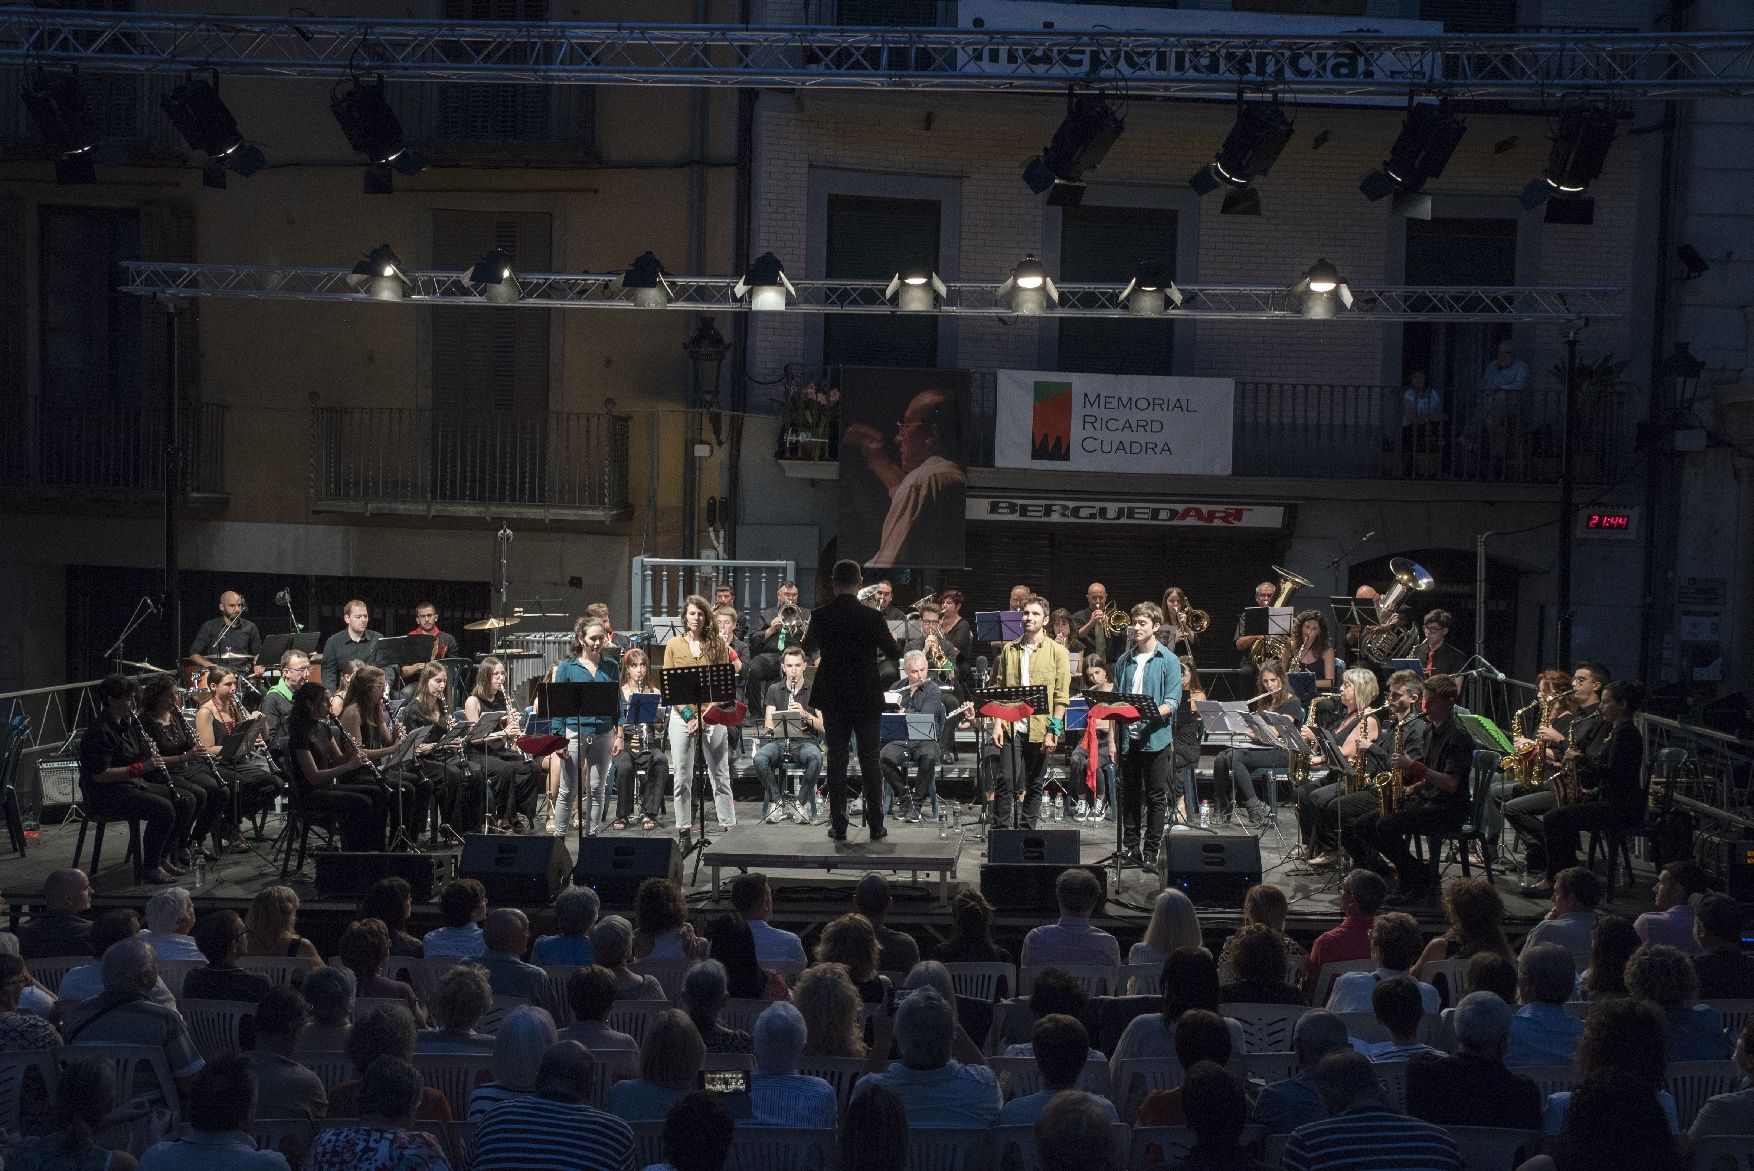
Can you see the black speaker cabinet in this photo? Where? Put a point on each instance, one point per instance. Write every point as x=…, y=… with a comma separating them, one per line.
x=614, y=867
x=1028, y=888
x=344, y=875
x=527, y=869
x=1047, y=847
x=1211, y=868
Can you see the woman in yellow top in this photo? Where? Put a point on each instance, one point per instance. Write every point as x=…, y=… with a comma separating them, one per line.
x=698, y=645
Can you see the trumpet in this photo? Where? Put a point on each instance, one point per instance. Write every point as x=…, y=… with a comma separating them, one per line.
x=1272, y=647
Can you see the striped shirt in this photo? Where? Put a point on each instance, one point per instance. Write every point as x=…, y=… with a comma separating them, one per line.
x=543, y=1134
x=1371, y=1138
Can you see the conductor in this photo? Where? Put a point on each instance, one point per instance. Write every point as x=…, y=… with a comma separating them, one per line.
x=851, y=638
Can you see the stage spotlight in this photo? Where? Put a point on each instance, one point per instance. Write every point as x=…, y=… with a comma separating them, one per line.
x=55, y=105
x=648, y=280
x=1149, y=289
x=374, y=131
x=1249, y=151
x=493, y=275
x=380, y=275
x=1579, y=151
x=765, y=284
x=1090, y=127
x=1428, y=138
x=206, y=124
x=1029, y=288
x=918, y=287
x=1321, y=291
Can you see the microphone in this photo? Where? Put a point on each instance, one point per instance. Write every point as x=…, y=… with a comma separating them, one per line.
x=982, y=668
x=283, y=598
x=152, y=607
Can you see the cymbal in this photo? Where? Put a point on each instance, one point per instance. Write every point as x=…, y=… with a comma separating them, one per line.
x=237, y=655
x=491, y=623
x=144, y=666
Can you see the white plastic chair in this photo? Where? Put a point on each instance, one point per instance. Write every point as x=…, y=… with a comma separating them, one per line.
x=291, y=1137
x=648, y=1143
x=632, y=1016
x=497, y=1012
x=669, y=973
x=1494, y=1148
x=840, y=1072
x=1139, y=1078
x=1014, y=1147
x=1095, y=979
x=174, y=972
x=558, y=975
x=455, y=1075
x=331, y=1066
x=1266, y=1028
x=1454, y=982
x=1141, y=979
x=1550, y=1079
x=1270, y=1067
x=988, y=982
x=949, y=1148
x=740, y=1012
x=217, y=1025
x=49, y=971
x=1174, y=1142
x=1735, y=1013
x=1723, y=1152
x=781, y=1148
x=1392, y=1076
x=1020, y=1077
x=1692, y=1082
x=280, y=971
x=1325, y=978
x=15, y=1070
x=127, y=1061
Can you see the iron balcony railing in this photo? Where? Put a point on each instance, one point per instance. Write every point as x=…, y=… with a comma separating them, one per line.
x=109, y=449
x=395, y=459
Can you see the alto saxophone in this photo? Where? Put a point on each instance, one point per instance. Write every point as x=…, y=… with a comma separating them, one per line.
x=1391, y=786
x=1565, y=776
x=1356, y=779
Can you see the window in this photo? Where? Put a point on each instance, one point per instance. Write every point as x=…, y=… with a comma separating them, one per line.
x=885, y=13
x=1105, y=244
x=1471, y=16
x=1303, y=7
x=89, y=335
x=475, y=119
x=869, y=239
x=1456, y=251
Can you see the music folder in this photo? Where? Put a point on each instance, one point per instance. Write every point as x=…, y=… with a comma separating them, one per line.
x=486, y=726
x=1350, y=611
x=1223, y=717
x=642, y=708
x=1077, y=713
x=1036, y=697
x=580, y=700
x=1285, y=730
x=694, y=686
x=406, y=746
x=1486, y=734
x=998, y=625
x=1417, y=666
x=404, y=650
x=1267, y=620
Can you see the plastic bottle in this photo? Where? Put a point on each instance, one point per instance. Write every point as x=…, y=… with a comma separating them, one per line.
x=943, y=827
x=1205, y=813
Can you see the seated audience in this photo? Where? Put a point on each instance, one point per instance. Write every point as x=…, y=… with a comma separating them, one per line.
x=1399, y=1008
x=752, y=899
x=84, y=1101
x=1173, y=924
x=462, y=907
x=220, y=936
x=934, y=975
x=934, y=1088
x=1726, y=972
x=1571, y=921
x=1542, y=1032
x=1731, y=1113
x=1054, y=992
x=778, y=1094
x=555, y=1128
x=1361, y=895
x=1072, y=940
x=221, y=1112
x=87, y=980
x=896, y=950
x=284, y=1088
x=575, y=912
x=1073, y=1134
x=734, y=946
x=60, y=928
x=873, y=1135
x=1217, y=1111
x=1487, y=972
x=1361, y=1131
x=704, y=992
x=383, y=1140
x=1265, y=905
x=971, y=933
x=1258, y=964
x=1624, y=1038
x=697, y=1134
x=1476, y=924
x=1614, y=1125
x=506, y=932
x=1285, y=1105
x=1200, y=1036
x=1679, y=884
x=1610, y=947
x=125, y=1014
x=590, y=993
x=1474, y=1088
x=23, y=1032
x=1061, y=1047
x=462, y=999
x=329, y=993
x=670, y=1056
x=612, y=940
x=364, y=951
x=526, y=1033
x=851, y=941
x=391, y=902
x=661, y=927
x=830, y=1003
x=1395, y=944
x=1190, y=980
x=385, y=1032
x=170, y=916
x=1662, y=975
x=272, y=922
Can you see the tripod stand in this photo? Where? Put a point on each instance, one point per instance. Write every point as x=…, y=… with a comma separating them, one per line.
x=688, y=690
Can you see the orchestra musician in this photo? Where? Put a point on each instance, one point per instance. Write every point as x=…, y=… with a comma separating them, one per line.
x=919, y=696
x=1404, y=719
x=461, y=792
x=512, y=781
x=230, y=633
x=618, y=643
x=1358, y=731
x=1309, y=660
x=1031, y=660
x=444, y=645
x=333, y=780
x=1366, y=598
x=942, y=655
x=122, y=776
x=1581, y=729
x=343, y=683
x=848, y=692
x=724, y=595
x=1439, y=656
x=252, y=785
x=591, y=741
x=175, y=744
x=725, y=618
x=1175, y=633
x=1089, y=625
x=769, y=642
x=295, y=668
x=641, y=747
x=1245, y=643
x=368, y=728
x=1099, y=806
x=355, y=640
x=1019, y=595
x=1553, y=697
x=1060, y=630
x=791, y=694
x=699, y=645
x=1187, y=739
x=1234, y=769
x=956, y=630
x=1147, y=668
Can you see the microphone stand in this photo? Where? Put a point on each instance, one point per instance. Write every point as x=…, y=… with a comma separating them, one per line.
x=143, y=609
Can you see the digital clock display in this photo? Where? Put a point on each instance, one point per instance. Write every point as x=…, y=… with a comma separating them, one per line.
x=1608, y=521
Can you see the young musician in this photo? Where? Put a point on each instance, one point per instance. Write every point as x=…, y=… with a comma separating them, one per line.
x=333, y=780
x=461, y=793
x=1094, y=674
x=1175, y=634
x=354, y=641
x=1234, y=769
x=641, y=747
x=176, y=747
x=699, y=645
x=790, y=694
x=444, y=645
x=1438, y=655
x=955, y=630
x=1311, y=657
x=726, y=619
x=1553, y=700
x=1405, y=719
x=123, y=776
x=368, y=729
x=850, y=638
x=1581, y=729
x=1187, y=738
x=1358, y=732
x=512, y=782
x=252, y=781
x=1610, y=789
x=919, y=696
x=1147, y=668
x=592, y=740
x=1033, y=660
x=1060, y=630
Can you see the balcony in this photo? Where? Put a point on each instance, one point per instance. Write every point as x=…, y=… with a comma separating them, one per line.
x=109, y=452
x=413, y=461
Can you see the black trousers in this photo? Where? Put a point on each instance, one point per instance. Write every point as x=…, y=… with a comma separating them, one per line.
x=1358, y=814
x=838, y=730
x=460, y=787
x=1233, y=774
x=361, y=810
x=1316, y=819
x=894, y=759
x=255, y=784
x=1562, y=829
x=513, y=784
x=165, y=812
x=1393, y=836
x=1022, y=771
x=416, y=787
x=1529, y=814
x=622, y=768
x=1146, y=780
x=212, y=802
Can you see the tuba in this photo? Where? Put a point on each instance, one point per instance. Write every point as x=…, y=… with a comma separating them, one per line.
x=1272, y=647
x=1391, y=638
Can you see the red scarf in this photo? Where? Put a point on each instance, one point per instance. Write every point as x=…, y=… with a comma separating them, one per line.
x=1121, y=713
x=730, y=715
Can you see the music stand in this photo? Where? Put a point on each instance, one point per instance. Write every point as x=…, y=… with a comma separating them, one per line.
x=791, y=726
x=998, y=625
x=573, y=701
x=1147, y=709
x=275, y=646
x=696, y=687
x=905, y=726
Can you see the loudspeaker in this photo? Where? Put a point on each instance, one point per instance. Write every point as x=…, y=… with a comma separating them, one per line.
x=516, y=868
x=614, y=867
x=1029, y=887
x=1045, y=847
x=1211, y=868
x=351, y=875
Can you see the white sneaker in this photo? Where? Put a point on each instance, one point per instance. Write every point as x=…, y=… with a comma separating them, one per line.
x=775, y=815
x=1082, y=812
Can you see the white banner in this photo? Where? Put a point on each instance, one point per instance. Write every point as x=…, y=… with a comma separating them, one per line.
x=1113, y=423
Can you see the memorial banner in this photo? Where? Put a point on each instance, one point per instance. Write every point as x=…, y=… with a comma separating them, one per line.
x=1113, y=423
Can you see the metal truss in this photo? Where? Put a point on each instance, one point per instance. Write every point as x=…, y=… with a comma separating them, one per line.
x=1624, y=66
x=965, y=299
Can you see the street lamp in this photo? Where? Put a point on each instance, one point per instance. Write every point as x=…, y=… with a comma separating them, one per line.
x=707, y=350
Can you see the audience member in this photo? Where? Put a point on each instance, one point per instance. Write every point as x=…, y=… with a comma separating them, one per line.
x=384, y=1139
x=462, y=907
x=873, y=1135
x=1072, y=940
x=1258, y=964
x=1542, y=1032
x=1201, y=1036
x=221, y=1112
x=1731, y=1113
x=24, y=1032
x=852, y=941
x=220, y=935
x=1073, y=1134
x=896, y=950
x=125, y=1014
x=612, y=939
x=971, y=933
x=1678, y=884
x=526, y=1033
x=935, y=1089
x=1476, y=924
x=1173, y=924
x=284, y=1088
x=383, y=1032
x=1361, y=895
x=1615, y=1125
x=1474, y=1088
x=1285, y=1105
x=1571, y=921
x=87, y=980
x=1054, y=992
x=778, y=1094
x=575, y=912
x=1662, y=975
x=704, y=991
x=272, y=921
x=391, y=902
x=1625, y=1038
x=462, y=999
x=934, y=975
x=170, y=916
x=1395, y=943
x=752, y=898
x=364, y=951
x=1061, y=1046
x=733, y=945
x=1266, y=905
x=329, y=993
x=506, y=932
x=84, y=1099
x=1399, y=1008
x=590, y=993
x=553, y=1129
x=1190, y=980
x=1487, y=972
x=830, y=1003
x=1361, y=1131
x=1612, y=945
x=670, y=1056
x=60, y=928
x=1725, y=971
x=697, y=1133
x=661, y=927
x=1217, y=1111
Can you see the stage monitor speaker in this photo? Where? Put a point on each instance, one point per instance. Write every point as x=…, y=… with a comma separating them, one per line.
x=1044, y=847
x=1215, y=869
x=615, y=867
x=528, y=869
x=1028, y=888
x=341, y=874
x=48, y=778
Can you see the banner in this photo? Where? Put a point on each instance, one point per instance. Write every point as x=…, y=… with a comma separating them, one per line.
x=903, y=471
x=1112, y=511
x=1113, y=423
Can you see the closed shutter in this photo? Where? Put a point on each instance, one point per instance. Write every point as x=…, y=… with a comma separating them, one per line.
x=1471, y=16
x=167, y=232
x=13, y=313
x=1105, y=245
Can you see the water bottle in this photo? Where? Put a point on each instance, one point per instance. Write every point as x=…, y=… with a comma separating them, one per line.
x=1059, y=808
x=943, y=827
x=1205, y=813
x=200, y=870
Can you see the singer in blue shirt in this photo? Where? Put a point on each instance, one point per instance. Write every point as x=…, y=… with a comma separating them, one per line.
x=590, y=740
x=1147, y=668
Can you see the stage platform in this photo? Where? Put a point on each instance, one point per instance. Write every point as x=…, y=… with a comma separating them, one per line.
x=904, y=849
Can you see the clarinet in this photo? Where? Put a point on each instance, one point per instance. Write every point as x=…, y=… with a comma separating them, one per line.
x=195, y=742
x=151, y=746
x=347, y=742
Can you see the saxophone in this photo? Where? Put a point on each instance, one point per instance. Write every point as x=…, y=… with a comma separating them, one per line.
x=1391, y=786
x=1565, y=776
x=1297, y=765
x=1356, y=779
